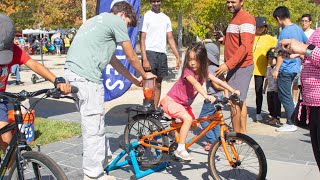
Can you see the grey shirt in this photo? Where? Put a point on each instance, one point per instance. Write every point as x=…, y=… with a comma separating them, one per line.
x=211, y=90
x=94, y=45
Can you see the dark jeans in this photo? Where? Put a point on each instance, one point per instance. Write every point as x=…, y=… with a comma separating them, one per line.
x=274, y=104
x=258, y=84
x=213, y=134
x=315, y=132
x=284, y=89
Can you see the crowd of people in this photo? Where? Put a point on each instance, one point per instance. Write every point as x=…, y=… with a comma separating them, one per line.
x=279, y=65
x=32, y=44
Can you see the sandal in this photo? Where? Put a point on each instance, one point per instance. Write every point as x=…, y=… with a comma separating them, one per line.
x=184, y=155
x=274, y=121
x=207, y=146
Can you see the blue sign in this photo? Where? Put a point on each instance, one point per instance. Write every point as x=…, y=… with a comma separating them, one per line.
x=114, y=83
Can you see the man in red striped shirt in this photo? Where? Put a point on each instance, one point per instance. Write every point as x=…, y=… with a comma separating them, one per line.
x=238, y=59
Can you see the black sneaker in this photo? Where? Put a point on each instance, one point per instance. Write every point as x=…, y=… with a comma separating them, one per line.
x=19, y=83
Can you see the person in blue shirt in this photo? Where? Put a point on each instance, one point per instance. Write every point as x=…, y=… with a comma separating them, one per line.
x=286, y=69
x=57, y=44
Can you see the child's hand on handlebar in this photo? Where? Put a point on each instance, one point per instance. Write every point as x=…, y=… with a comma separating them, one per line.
x=212, y=99
x=64, y=87
x=237, y=92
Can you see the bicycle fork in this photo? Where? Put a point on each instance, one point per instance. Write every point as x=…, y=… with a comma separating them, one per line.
x=223, y=129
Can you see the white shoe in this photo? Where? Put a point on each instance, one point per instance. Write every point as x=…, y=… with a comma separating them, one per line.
x=103, y=177
x=259, y=117
x=287, y=128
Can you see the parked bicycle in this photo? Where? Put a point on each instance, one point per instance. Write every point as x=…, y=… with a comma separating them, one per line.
x=232, y=156
x=27, y=164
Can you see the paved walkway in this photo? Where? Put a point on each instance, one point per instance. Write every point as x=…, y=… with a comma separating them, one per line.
x=289, y=155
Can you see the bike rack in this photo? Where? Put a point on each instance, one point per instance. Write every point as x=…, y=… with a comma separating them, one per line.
x=138, y=173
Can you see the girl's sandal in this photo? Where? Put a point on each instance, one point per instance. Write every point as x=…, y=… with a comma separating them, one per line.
x=274, y=121
x=184, y=155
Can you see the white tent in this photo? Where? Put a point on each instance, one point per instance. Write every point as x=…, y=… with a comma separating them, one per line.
x=37, y=31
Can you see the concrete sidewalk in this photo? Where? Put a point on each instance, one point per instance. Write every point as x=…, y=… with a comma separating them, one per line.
x=289, y=155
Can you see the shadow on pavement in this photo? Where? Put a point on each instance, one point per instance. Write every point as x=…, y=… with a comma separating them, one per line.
x=118, y=115
x=49, y=107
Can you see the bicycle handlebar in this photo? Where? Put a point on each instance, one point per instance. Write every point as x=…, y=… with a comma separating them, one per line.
x=21, y=96
x=224, y=100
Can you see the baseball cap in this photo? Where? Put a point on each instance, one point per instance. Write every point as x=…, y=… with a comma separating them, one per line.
x=213, y=53
x=116, y=1
x=271, y=53
x=261, y=21
x=7, y=33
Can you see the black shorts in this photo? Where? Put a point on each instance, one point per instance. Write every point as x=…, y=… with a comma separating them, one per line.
x=159, y=63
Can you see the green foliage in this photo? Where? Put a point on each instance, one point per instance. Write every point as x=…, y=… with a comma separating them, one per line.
x=200, y=17
x=49, y=131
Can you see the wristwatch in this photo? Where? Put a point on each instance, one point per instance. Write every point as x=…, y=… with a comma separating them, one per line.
x=59, y=80
x=309, y=50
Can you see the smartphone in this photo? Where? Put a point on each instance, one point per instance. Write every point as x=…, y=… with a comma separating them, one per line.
x=218, y=34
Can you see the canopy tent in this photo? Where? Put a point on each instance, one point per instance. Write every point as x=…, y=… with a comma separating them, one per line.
x=37, y=31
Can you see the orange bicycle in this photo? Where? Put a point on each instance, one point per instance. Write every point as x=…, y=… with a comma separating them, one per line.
x=232, y=156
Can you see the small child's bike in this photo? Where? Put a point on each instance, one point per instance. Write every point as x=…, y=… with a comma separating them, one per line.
x=147, y=142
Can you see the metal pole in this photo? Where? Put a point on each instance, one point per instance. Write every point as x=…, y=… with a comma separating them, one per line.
x=41, y=44
x=84, y=11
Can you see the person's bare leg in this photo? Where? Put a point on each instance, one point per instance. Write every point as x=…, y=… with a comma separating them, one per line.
x=295, y=91
x=6, y=137
x=187, y=121
x=243, y=120
x=236, y=115
x=157, y=92
x=5, y=140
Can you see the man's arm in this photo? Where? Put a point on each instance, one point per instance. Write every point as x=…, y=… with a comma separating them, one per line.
x=145, y=61
x=173, y=46
x=119, y=67
x=134, y=60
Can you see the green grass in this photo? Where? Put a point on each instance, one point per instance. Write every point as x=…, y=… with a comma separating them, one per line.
x=49, y=131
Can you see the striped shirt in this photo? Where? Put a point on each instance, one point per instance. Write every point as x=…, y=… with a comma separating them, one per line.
x=239, y=40
x=310, y=74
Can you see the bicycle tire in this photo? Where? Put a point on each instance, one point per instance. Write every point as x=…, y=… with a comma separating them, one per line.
x=151, y=125
x=40, y=161
x=216, y=155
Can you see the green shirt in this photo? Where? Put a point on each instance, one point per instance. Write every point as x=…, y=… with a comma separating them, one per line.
x=94, y=45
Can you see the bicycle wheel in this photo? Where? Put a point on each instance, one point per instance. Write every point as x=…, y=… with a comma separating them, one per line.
x=142, y=126
x=252, y=163
x=38, y=166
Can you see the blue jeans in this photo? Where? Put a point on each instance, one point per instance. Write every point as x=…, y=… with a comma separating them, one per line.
x=15, y=69
x=284, y=90
x=213, y=134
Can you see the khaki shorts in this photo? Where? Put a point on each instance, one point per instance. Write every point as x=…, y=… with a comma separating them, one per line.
x=239, y=79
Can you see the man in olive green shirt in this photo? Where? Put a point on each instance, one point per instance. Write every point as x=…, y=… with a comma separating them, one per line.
x=91, y=51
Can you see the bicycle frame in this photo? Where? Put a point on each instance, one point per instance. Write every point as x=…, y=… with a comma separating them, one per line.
x=17, y=143
x=216, y=119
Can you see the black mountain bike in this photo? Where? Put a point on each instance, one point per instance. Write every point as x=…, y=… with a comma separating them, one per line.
x=27, y=164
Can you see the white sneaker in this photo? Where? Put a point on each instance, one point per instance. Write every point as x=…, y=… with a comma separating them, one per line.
x=102, y=177
x=259, y=117
x=287, y=128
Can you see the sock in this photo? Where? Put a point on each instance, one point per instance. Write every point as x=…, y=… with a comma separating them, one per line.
x=181, y=147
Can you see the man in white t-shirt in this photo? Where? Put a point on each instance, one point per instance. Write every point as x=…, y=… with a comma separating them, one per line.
x=306, y=21
x=155, y=29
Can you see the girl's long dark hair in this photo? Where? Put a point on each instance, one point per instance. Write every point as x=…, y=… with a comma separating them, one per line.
x=201, y=58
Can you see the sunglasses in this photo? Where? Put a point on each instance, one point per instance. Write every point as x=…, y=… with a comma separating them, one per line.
x=154, y=1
